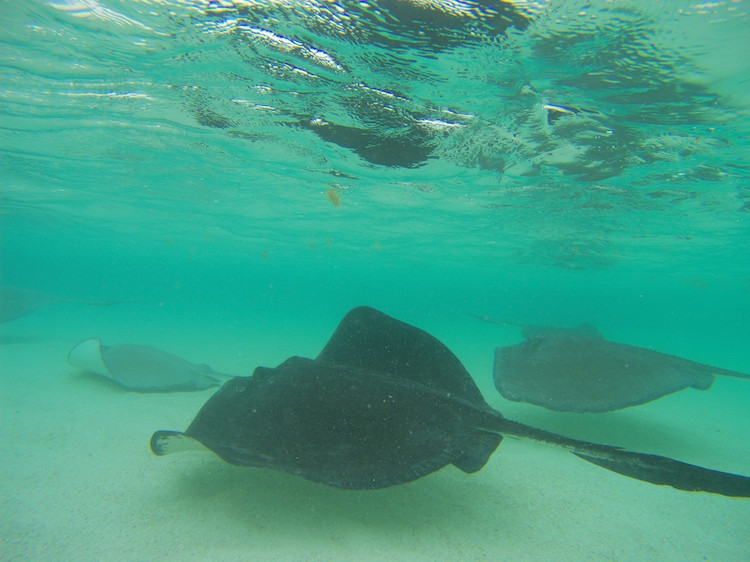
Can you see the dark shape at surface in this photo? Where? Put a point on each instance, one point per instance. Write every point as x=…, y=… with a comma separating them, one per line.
x=577, y=370
x=209, y=118
x=406, y=149
x=142, y=368
x=396, y=25
x=433, y=26
x=385, y=403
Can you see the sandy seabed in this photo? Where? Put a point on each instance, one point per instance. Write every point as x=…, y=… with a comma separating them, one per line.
x=78, y=482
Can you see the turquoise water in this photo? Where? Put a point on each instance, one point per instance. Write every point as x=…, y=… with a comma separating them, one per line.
x=235, y=176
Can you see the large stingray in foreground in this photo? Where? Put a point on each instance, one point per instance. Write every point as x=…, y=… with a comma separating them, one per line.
x=577, y=370
x=385, y=403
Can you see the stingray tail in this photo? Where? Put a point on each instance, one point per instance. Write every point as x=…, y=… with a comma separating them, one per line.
x=641, y=466
x=727, y=373
x=490, y=320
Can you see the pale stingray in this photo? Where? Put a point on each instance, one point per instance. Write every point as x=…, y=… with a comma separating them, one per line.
x=577, y=370
x=142, y=368
x=16, y=302
x=383, y=404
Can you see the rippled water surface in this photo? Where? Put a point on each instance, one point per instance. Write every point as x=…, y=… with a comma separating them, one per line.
x=564, y=135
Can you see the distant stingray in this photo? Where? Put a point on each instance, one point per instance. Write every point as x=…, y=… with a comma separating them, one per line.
x=16, y=302
x=577, y=370
x=142, y=368
x=383, y=404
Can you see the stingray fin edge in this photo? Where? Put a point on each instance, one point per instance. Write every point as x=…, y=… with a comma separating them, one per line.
x=87, y=356
x=168, y=442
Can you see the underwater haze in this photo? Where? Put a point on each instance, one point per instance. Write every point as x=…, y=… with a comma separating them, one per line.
x=226, y=179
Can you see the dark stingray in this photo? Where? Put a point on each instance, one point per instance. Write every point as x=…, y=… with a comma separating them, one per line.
x=577, y=370
x=385, y=403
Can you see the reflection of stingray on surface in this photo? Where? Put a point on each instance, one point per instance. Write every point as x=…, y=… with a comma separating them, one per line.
x=385, y=403
x=16, y=302
x=577, y=370
x=142, y=368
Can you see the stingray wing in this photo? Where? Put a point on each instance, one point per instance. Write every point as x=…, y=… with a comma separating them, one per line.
x=369, y=340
